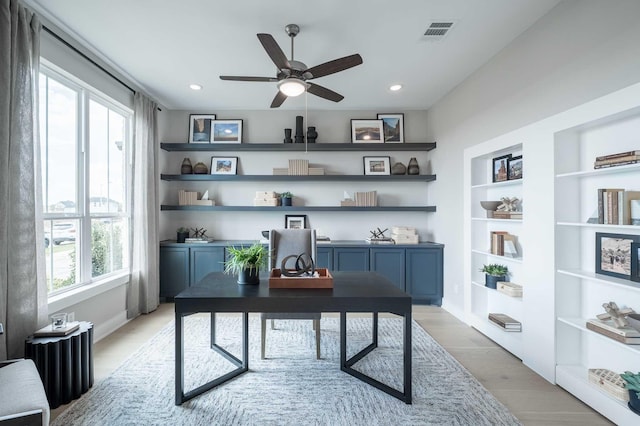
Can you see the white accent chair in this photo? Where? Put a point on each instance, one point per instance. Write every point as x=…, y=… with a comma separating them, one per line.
x=282, y=243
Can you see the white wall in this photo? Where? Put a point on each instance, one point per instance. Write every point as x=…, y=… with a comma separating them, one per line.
x=267, y=127
x=579, y=51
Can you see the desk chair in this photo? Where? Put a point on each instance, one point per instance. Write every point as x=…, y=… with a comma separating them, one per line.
x=282, y=243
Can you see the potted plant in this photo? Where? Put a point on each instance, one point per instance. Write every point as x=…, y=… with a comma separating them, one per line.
x=493, y=274
x=182, y=234
x=246, y=262
x=286, y=198
x=633, y=386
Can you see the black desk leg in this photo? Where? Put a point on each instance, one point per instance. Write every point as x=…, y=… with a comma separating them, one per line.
x=407, y=357
x=179, y=358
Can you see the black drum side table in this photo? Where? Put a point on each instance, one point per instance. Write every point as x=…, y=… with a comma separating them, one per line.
x=65, y=363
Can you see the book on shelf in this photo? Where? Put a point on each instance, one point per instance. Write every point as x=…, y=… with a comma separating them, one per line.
x=621, y=163
x=503, y=244
x=198, y=240
x=618, y=155
x=614, y=206
x=507, y=215
x=509, y=288
x=625, y=335
x=380, y=241
x=49, y=331
x=505, y=322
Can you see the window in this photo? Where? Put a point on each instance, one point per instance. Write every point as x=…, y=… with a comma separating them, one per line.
x=85, y=140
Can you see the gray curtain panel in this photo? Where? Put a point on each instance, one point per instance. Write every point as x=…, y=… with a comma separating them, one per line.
x=143, y=295
x=23, y=290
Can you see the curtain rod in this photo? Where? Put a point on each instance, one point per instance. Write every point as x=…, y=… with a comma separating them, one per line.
x=75, y=49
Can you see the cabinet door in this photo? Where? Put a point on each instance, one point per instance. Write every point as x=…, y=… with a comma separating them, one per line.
x=205, y=260
x=424, y=275
x=174, y=270
x=324, y=257
x=390, y=263
x=350, y=259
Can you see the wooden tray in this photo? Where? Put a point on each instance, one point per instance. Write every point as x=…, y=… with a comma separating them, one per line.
x=325, y=280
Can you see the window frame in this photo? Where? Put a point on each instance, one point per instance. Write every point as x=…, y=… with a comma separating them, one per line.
x=85, y=94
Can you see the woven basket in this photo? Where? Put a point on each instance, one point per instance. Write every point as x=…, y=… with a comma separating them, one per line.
x=610, y=382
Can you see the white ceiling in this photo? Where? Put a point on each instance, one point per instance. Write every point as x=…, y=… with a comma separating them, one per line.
x=163, y=46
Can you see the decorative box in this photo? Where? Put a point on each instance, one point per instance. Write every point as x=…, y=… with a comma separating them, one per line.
x=509, y=288
x=324, y=280
x=610, y=382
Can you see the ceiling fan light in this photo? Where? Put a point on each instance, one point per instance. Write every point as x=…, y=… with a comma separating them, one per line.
x=395, y=87
x=292, y=87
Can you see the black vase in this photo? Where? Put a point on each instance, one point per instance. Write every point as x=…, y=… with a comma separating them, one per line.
x=186, y=168
x=287, y=136
x=634, y=402
x=181, y=236
x=286, y=201
x=413, y=167
x=249, y=276
x=491, y=281
x=299, y=131
x=311, y=134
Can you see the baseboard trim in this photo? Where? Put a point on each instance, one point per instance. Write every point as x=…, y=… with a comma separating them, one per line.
x=106, y=328
x=453, y=310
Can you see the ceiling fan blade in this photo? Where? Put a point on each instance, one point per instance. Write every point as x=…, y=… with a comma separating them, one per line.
x=273, y=50
x=241, y=78
x=278, y=99
x=323, y=92
x=335, y=66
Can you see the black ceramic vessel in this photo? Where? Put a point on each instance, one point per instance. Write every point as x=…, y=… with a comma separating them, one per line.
x=287, y=136
x=491, y=281
x=299, y=131
x=249, y=276
x=312, y=135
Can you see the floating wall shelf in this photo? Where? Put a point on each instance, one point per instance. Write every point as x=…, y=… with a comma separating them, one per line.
x=298, y=147
x=286, y=178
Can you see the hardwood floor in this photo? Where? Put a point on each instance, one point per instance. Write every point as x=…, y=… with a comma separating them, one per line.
x=530, y=398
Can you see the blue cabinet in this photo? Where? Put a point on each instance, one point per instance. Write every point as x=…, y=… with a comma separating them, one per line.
x=324, y=257
x=390, y=263
x=351, y=258
x=181, y=267
x=424, y=278
x=174, y=271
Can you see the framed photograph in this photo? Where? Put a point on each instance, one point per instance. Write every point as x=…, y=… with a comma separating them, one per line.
x=393, y=127
x=367, y=131
x=224, y=165
x=500, y=168
x=515, y=167
x=295, y=221
x=377, y=165
x=635, y=262
x=200, y=127
x=614, y=255
x=226, y=131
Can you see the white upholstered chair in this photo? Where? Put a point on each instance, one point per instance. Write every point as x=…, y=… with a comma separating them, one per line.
x=282, y=243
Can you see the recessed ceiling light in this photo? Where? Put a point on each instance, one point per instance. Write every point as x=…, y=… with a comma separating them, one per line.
x=395, y=87
x=195, y=87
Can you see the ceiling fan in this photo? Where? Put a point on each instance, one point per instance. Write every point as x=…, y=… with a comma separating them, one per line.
x=293, y=76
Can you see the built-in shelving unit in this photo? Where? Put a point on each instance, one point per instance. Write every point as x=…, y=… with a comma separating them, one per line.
x=580, y=292
x=298, y=147
x=481, y=300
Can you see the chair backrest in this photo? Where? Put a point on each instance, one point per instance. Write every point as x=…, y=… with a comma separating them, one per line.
x=285, y=242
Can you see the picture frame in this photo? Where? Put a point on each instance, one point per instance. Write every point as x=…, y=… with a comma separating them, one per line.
x=295, y=221
x=226, y=131
x=200, y=127
x=367, y=131
x=500, y=168
x=635, y=262
x=393, y=127
x=377, y=166
x=514, y=166
x=614, y=254
x=224, y=165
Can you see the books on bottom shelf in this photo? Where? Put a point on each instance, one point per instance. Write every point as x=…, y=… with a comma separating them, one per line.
x=503, y=244
x=505, y=322
x=626, y=335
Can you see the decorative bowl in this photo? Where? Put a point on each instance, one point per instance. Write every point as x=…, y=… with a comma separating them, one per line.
x=490, y=205
x=634, y=321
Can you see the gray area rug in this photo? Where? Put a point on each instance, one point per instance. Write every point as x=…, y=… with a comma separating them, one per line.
x=291, y=387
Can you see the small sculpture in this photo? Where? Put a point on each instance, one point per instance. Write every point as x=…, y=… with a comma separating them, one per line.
x=615, y=314
x=413, y=167
x=508, y=204
x=302, y=268
x=398, y=169
x=186, y=168
x=199, y=233
x=378, y=234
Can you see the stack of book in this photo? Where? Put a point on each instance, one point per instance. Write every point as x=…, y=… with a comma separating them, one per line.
x=509, y=288
x=505, y=322
x=192, y=198
x=366, y=199
x=626, y=335
x=503, y=244
x=507, y=215
x=49, y=331
x=404, y=234
x=615, y=206
x=619, y=159
x=381, y=240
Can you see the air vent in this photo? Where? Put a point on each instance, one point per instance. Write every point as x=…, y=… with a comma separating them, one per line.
x=437, y=30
